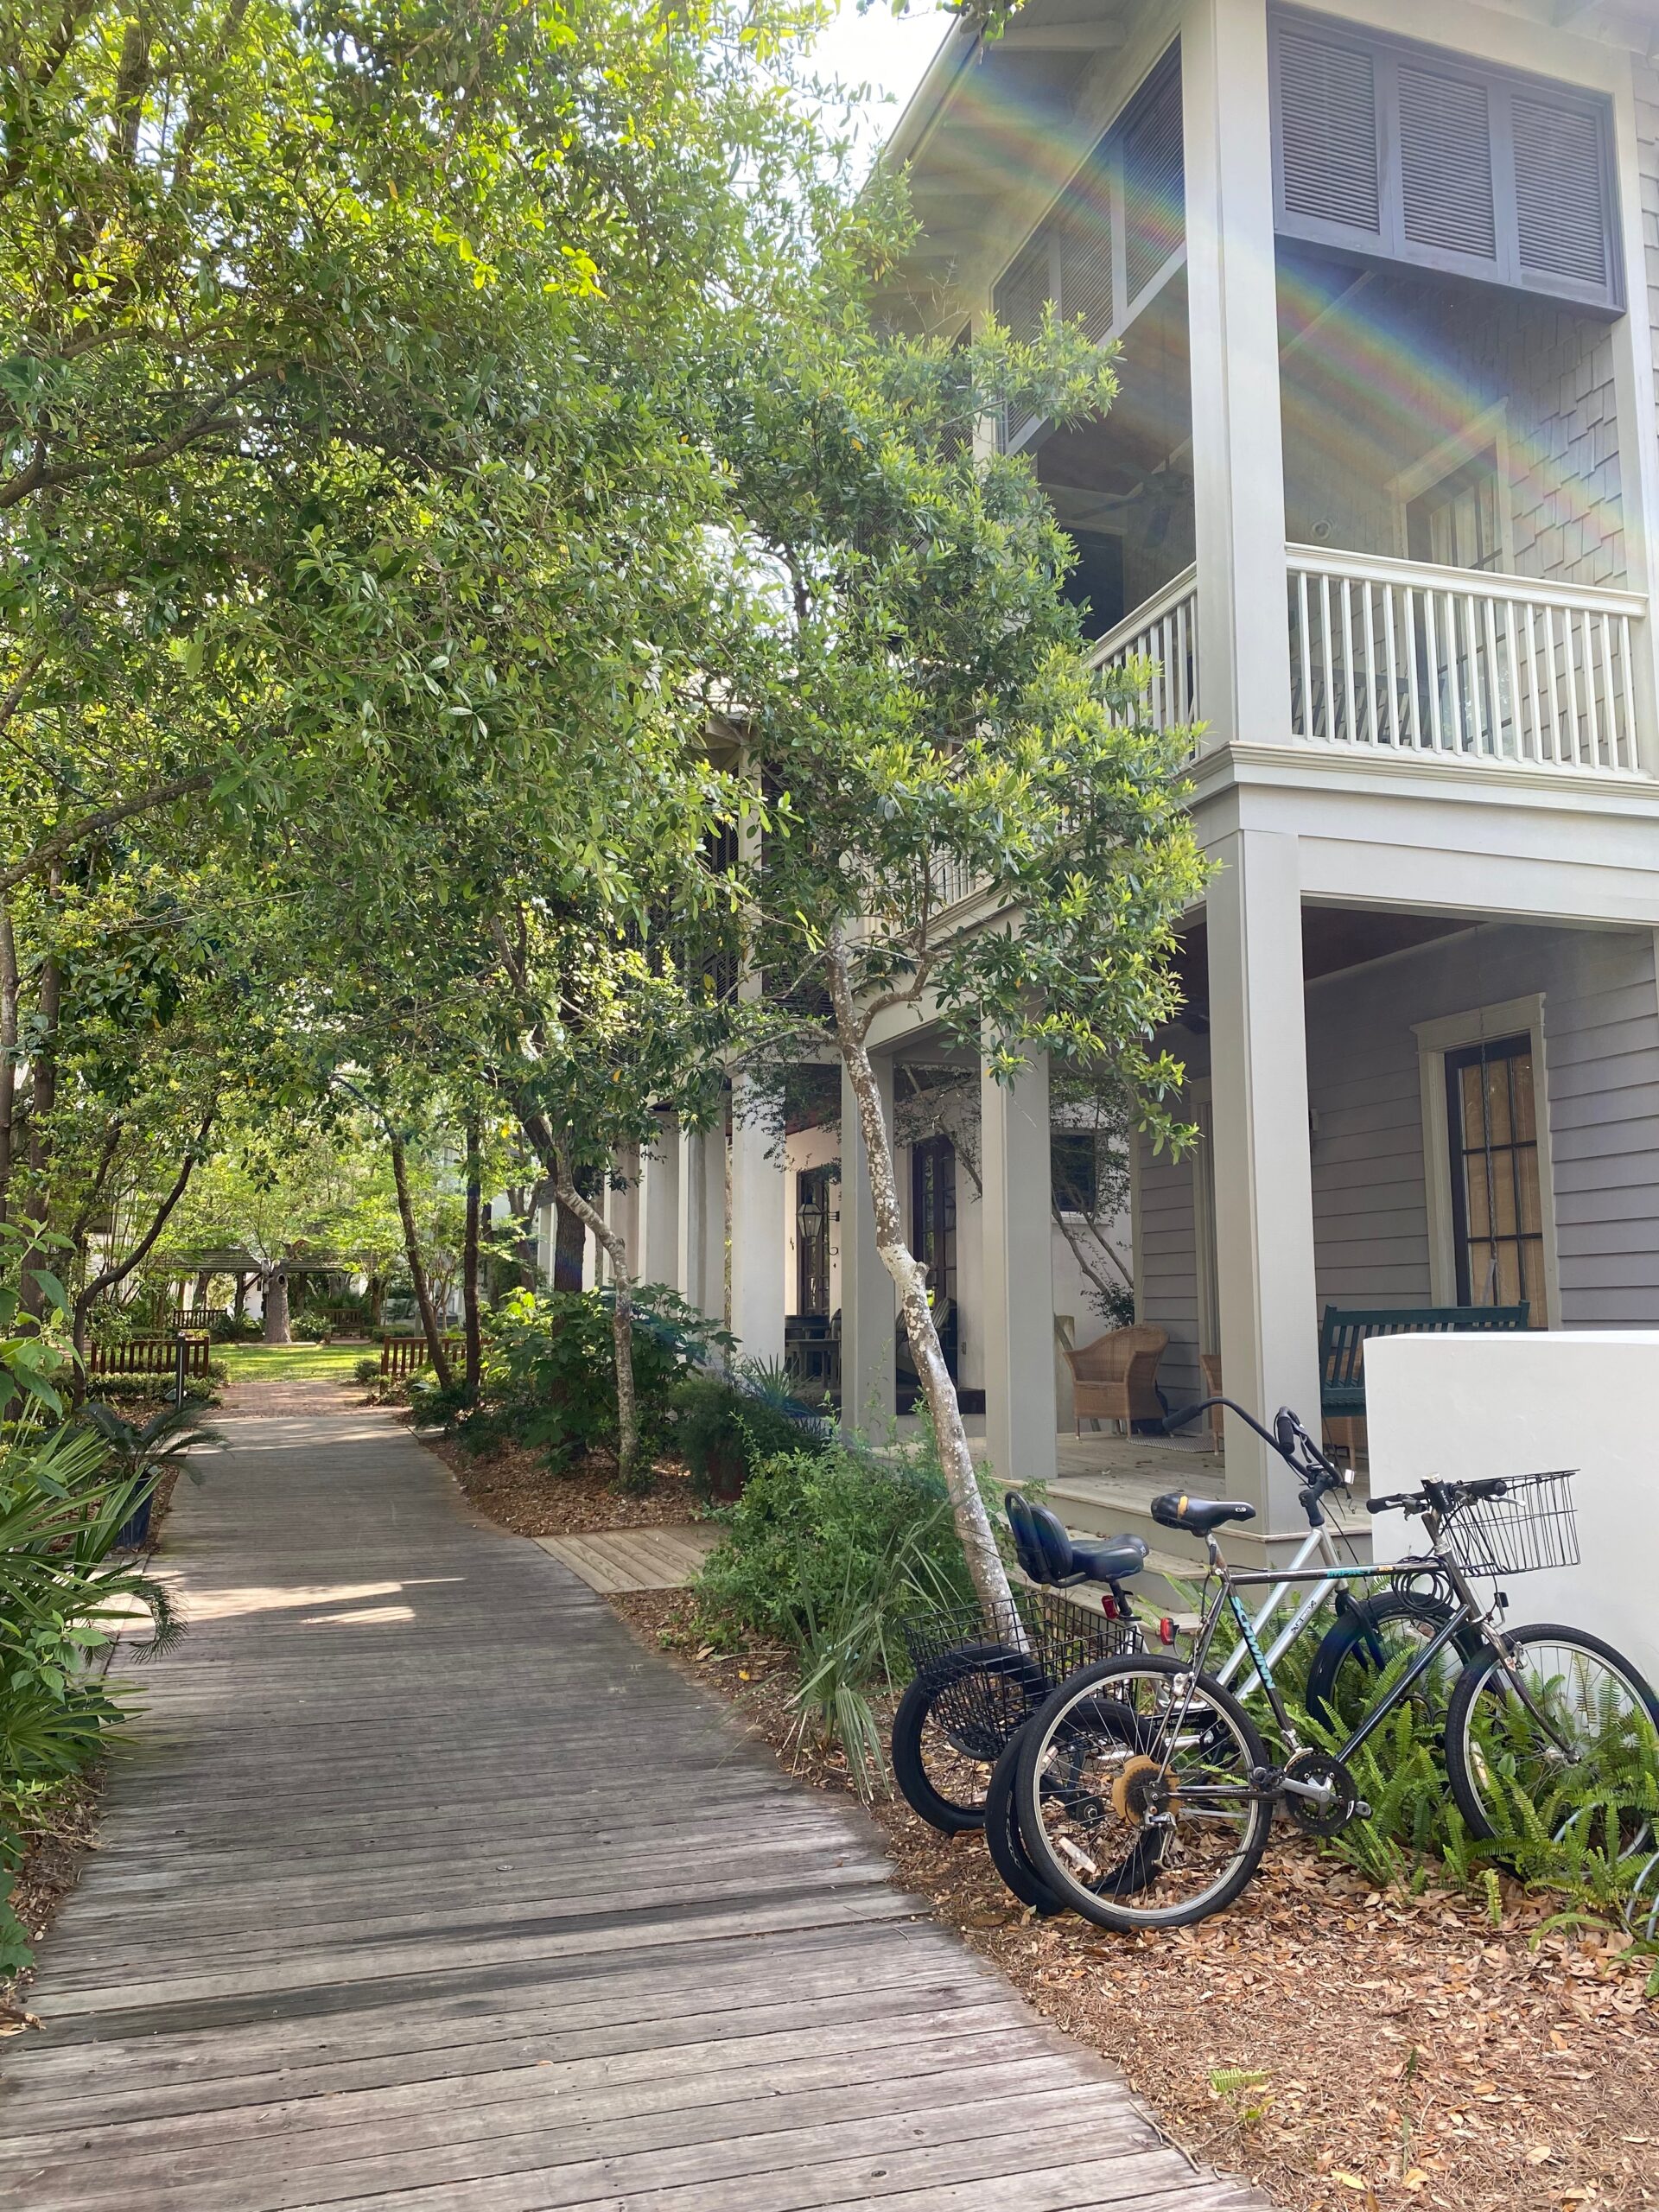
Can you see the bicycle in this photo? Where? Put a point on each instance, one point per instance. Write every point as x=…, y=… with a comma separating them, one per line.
x=980, y=1674
x=1144, y=1794
x=1363, y=1641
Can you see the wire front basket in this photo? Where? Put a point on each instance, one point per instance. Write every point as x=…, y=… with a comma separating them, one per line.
x=1532, y=1524
x=987, y=1669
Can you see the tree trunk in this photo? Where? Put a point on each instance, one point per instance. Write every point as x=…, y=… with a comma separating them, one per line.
x=239, y=1302
x=8, y=1051
x=570, y=1247
x=45, y=1070
x=469, y=1263
x=204, y=1284
x=376, y=1295
x=113, y=1277
x=276, y=1301
x=968, y=1507
x=555, y=1161
x=435, y=1350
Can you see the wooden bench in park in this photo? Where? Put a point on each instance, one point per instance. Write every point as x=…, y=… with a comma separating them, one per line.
x=1344, y=1332
x=405, y=1356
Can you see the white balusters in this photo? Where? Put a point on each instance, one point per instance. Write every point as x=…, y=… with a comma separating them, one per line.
x=1461, y=664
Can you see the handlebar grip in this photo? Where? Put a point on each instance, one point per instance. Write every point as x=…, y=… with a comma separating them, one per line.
x=1402, y=1503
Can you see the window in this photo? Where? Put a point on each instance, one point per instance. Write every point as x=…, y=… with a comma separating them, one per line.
x=1408, y=153
x=1120, y=226
x=1496, y=1197
x=1075, y=1170
x=1459, y=522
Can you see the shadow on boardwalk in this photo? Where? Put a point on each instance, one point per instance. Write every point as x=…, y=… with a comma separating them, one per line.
x=426, y=1885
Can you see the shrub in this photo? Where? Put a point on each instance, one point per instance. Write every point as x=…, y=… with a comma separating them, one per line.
x=824, y=1534
x=311, y=1329
x=235, y=1329
x=550, y=1374
x=726, y=1426
x=366, y=1370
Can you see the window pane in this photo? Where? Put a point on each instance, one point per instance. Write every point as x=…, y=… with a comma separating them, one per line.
x=1510, y=1291
x=1532, y=1211
x=1497, y=1103
x=1479, y=1214
x=1503, y=1189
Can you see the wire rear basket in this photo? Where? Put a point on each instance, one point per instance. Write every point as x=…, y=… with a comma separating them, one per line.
x=1534, y=1524
x=983, y=1685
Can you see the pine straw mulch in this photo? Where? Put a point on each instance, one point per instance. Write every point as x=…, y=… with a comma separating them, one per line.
x=511, y=1485
x=1413, y=2054
x=52, y=1863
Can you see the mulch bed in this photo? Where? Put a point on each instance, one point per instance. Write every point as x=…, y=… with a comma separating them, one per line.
x=51, y=1868
x=1411, y=2053
x=512, y=1486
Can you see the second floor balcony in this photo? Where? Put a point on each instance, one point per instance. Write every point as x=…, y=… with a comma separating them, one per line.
x=1416, y=658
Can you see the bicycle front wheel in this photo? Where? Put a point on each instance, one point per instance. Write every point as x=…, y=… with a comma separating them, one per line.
x=951, y=1725
x=1572, y=1730
x=1133, y=1793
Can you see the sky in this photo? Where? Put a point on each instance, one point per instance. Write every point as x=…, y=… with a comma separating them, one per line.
x=887, y=52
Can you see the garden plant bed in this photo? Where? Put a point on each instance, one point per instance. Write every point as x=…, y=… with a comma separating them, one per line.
x=1407, y=2052
x=511, y=1485
x=51, y=1868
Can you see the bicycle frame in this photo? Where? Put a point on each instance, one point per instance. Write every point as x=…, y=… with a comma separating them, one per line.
x=1466, y=1613
x=1317, y=1539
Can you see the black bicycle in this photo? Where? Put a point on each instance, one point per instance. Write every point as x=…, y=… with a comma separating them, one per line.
x=1144, y=1794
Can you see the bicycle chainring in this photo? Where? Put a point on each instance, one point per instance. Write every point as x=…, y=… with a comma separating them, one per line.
x=1343, y=1805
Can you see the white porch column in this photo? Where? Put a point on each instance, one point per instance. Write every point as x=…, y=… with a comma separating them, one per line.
x=1264, y=1174
x=758, y=1183
x=703, y=1220
x=869, y=1307
x=659, y=1170
x=1017, y=1285
x=1232, y=315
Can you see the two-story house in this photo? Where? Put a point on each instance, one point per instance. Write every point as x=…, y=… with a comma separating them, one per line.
x=1381, y=496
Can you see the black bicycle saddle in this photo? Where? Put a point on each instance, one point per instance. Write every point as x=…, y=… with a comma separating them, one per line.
x=1198, y=1515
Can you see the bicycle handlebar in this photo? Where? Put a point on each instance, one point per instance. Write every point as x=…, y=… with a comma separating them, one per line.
x=1288, y=1439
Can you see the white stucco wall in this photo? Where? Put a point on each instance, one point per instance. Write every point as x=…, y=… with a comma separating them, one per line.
x=1474, y=1407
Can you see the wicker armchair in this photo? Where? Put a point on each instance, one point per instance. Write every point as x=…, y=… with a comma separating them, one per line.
x=1115, y=1378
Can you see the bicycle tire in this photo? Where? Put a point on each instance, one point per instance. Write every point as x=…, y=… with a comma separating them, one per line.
x=1106, y=1903
x=1004, y=1842
x=1344, y=1646
x=1461, y=1761
x=941, y=1788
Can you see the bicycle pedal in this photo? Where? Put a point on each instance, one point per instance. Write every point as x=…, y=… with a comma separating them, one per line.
x=1361, y=1810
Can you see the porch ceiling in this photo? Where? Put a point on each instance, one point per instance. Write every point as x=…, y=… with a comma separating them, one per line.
x=1333, y=938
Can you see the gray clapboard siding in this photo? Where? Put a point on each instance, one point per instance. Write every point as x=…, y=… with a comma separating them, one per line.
x=1371, y=1212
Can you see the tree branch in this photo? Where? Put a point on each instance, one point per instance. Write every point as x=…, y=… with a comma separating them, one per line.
x=64, y=840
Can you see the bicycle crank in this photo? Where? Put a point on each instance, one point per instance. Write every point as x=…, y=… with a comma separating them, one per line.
x=1319, y=1793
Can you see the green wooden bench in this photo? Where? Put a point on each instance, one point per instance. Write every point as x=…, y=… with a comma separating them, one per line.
x=1346, y=1330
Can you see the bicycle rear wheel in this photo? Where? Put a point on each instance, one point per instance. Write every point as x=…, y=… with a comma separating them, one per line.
x=1577, y=1744
x=1006, y=1844
x=1133, y=1793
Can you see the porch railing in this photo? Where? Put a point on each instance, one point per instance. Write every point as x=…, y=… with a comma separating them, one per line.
x=1460, y=664
x=1163, y=630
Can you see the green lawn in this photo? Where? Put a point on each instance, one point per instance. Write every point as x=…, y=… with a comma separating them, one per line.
x=291, y=1363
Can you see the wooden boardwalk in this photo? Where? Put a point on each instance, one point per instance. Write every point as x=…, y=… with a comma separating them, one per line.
x=426, y=1885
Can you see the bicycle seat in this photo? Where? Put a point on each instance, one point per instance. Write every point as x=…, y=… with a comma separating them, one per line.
x=1198, y=1515
x=1113, y=1560
x=1046, y=1552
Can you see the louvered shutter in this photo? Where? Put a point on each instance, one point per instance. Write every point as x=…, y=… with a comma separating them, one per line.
x=1446, y=164
x=1330, y=163
x=1397, y=150
x=1153, y=179
x=1563, y=221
